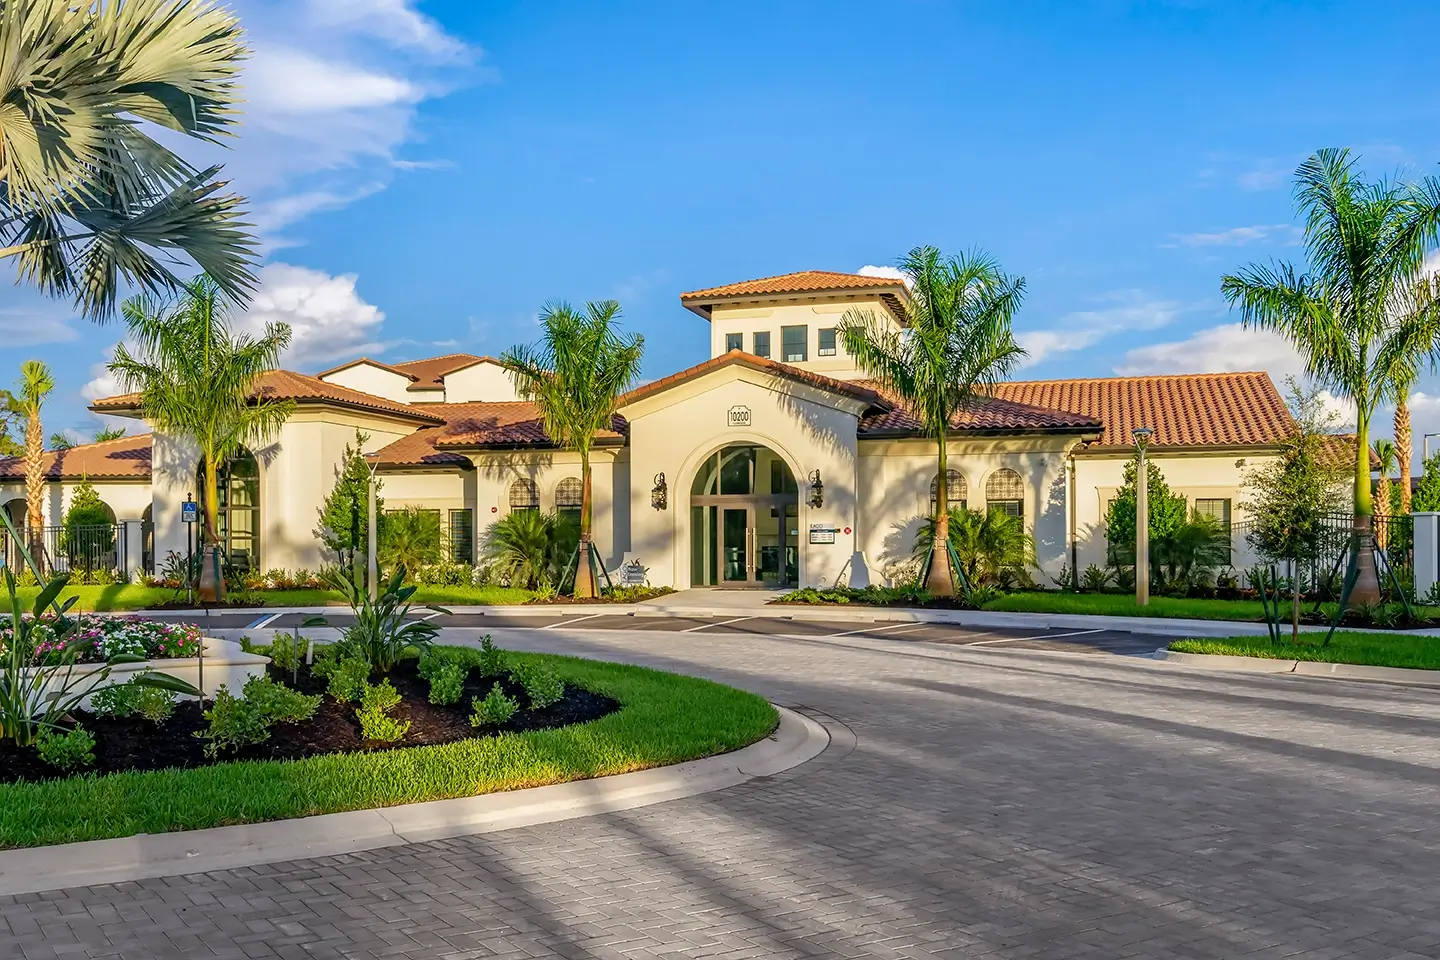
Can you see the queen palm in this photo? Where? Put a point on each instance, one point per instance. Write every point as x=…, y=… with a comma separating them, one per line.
x=89, y=200
x=35, y=384
x=956, y=346
x=1360, y=317
x=196, y=379
x=575, y=375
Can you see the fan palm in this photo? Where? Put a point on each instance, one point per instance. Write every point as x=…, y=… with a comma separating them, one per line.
x=575, y=375
x=1363, y=318
x=196, y=379
x=958, y=345
x=36, y=383
x=520, y=547
x=90, y=200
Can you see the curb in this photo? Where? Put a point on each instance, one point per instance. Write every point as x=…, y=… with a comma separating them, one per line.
x=1304, y=668
x=88, y=863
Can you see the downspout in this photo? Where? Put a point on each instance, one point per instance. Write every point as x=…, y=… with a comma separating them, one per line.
x=1070, y=514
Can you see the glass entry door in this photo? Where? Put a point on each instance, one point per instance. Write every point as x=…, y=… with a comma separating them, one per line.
x=737, y=560
x=744, y=513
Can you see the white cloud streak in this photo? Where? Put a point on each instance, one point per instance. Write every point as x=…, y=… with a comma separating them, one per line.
x=1283, y=233
x=1132, y=310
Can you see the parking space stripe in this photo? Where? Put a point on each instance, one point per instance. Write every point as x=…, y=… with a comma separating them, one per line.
x=1043, y=636
x=721, y=623
x=874, y=629
x=566, y=623
x=263, y=621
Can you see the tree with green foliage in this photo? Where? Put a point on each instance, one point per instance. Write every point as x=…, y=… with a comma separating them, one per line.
x=197, y=381
x=955, y=345
x=344, y=519
x=1427, y=491
x=1366, y=316
x=88, y=536
x=992, y=546
x=576, y=375
x=1290, y=497
x=61, y=441
x=411, y=539
x=12, y=416
x=1168, y=511
x=92, y=201
x=35, y=385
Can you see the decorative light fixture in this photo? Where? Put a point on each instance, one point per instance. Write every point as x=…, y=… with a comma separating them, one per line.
x=817, y=490
x=659, y=495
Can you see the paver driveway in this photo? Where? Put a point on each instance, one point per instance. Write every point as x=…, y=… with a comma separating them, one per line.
x=995, y=803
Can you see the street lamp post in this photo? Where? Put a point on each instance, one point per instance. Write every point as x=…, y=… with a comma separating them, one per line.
x=1142, y=520
x=372, y=565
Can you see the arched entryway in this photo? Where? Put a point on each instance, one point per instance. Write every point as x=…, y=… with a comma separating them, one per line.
x=744, y=520
x=239, y=502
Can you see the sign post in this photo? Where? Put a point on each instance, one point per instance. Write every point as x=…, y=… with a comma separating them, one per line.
x=189, y=515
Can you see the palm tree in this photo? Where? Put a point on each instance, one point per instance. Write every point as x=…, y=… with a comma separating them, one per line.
x=958, y=345
x=1361, y=318
x=89, y=200
x=1385, y=458
x=35, y=384
x=196, y=379
x=575, y=375
x=991, y=546
x=1403, y=450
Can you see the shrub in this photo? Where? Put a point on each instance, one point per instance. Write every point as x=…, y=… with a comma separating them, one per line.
x=67, y=751
x=411, y=538
x=447, y=683
x=375, y=721
x=128, y=699
x=234, y=722
x=348, y=679
x=382, y=632
x=494, y=710
x=493, y=661
x=285, y=652
x=1095, y=578
x=542, y=685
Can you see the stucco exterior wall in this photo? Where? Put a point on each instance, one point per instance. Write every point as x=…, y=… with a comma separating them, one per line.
x=496, y=472
x=895, y=479
x=813, y=316
x=1193, y=476
x=128, y=498
x=676, y=430
x=481, y=381
x=373, y=380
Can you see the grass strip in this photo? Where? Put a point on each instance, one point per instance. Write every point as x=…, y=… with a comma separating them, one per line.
x=1368, y=649
x=122, y=597
x=666, y=718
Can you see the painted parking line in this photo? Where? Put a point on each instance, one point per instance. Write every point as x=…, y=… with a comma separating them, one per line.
x=875, y=629
x=1043, y=636
x=263, y=621
x=720, y=623
x=566, y=623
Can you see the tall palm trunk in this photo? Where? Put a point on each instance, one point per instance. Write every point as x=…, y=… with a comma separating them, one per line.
x=1403, y=452
x=1367, y=580
x=1382, y=511
x=941, y=582
x=35, y=484
x=211, y=587
x=585, y=585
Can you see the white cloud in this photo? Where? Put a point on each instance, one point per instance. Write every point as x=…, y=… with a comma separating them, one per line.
x=329, y=321
x=1132, y=310
x=1284, y=233
x=32, y=326
x=1267, y=175
x=276, y=214
x=893, y=273
x=281, y=81
x=395, y=21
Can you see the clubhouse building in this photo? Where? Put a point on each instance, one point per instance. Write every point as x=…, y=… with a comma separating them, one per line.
x=774, y=462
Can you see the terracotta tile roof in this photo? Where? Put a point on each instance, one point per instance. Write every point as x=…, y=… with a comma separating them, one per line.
x=477, y=425
x=892, y=291
x=850, y=388
x=359, y=360
x=125, y=458
x=1197, y=409
x=429, y=374
x=288, y=385
x=994, y=414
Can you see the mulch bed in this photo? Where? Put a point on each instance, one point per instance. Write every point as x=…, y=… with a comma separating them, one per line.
x=134, y=743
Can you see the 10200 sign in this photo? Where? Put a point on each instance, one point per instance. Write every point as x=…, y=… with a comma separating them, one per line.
x=738, y=417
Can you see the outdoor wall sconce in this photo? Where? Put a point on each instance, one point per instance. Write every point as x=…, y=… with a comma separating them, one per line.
x=817, y=490
x=659, y=495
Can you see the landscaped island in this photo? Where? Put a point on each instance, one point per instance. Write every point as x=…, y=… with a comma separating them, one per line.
x=1367, y=649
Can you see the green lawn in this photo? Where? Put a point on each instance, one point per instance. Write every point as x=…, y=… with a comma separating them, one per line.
x=1371, y=649
x=121, y=597
x=1123, y=605
x=666, y=718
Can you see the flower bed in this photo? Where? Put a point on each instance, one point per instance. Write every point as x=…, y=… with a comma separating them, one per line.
x=100, y=638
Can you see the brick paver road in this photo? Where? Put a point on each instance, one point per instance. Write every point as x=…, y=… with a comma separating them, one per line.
x=994, y=804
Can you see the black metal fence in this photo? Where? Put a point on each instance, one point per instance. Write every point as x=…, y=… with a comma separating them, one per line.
x=77, y=550
x=1394, y=535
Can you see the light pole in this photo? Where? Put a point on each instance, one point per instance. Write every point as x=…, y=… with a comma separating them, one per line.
x=1142, y=520
x=372, y=566
x=1425, y=446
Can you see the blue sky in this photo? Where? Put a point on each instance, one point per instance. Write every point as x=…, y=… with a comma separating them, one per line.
x=426, y=176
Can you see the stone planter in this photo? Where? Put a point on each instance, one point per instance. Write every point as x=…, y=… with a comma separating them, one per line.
x=225, y=663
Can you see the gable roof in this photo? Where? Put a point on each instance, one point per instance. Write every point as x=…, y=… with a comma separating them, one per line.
x=288, y=385
x=850, y=388
x=359, y=360
x=994, y=415
x=892, y=292
x=124, y=458
x=1193, y=409
x=479, y=425
x=429, y=373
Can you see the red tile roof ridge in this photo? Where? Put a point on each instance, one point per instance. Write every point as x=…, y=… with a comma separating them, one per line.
x=1143, y=376
x=370, y=360
x=874, y=397
x=757, y=285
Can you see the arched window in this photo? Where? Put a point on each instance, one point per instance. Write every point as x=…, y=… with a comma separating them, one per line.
x=1006, y=491
x=569, y=493
x=524, y=495
x=238, y=487
x=957, y=491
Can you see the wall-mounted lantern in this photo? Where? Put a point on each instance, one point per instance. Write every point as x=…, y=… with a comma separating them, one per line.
x=659, y=495
x=817, y=490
